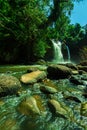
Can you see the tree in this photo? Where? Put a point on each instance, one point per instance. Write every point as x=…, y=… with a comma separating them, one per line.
x=28, y=24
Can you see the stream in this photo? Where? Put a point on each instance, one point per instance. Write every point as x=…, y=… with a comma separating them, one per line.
x=69, y=94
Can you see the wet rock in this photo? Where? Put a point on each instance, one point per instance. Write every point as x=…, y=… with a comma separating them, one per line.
x=84, y=77
x=84, y=109
x=58, y=109
x=33, y=77
x=31, y=106
x=84, y=68
x=81, y=87
x=1, y=102
x=72, y=66
x=58, y=71
x=84, y=94
x=79, y=79
x=8, y=85
x=75, y=72
x=81, y=72
x=41, y=62
x=76, y=80
x=31, y=70
x=83, y=63
x=48, y=87
x=72, y=98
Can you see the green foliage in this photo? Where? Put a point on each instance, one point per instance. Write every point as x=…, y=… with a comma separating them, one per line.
x=40, y=49
x=83, y=53
x=75, y=33
x=29, y=24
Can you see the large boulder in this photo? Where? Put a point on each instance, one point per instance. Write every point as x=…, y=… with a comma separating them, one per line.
x=8, y=85
x=58, y=71
x=33, y=77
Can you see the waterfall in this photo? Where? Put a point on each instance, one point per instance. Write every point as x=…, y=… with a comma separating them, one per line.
x=68, y=52
x=58, y=56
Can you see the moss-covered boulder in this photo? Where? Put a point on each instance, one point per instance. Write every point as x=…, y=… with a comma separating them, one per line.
x=8, y=85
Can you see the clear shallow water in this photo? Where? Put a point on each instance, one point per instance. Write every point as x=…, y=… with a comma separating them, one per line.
x=11, y=119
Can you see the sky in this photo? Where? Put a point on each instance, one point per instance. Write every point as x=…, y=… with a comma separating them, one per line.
x=79, y=13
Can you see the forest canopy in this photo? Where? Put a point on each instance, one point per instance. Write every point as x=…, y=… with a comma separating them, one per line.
x=26, y=27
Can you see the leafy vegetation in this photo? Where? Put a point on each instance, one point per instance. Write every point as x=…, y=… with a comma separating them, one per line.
x=26, y=27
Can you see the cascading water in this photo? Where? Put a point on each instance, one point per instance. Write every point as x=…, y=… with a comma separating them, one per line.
x=68, y=52
x=58, y=56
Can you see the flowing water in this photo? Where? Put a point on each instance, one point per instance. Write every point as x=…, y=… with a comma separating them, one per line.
x=11, y=119
x=58, y=56
x=68, y=52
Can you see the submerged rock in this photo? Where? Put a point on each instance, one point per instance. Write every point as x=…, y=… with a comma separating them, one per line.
x=58, y=71
x=79, y=80
x=72, y=98
x=9, y=85
x=84, y=109
x=33, y=77
x=1, y=102
x=48, y=87
x=31, y=106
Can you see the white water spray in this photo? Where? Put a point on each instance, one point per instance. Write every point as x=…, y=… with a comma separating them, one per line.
x=58, y=56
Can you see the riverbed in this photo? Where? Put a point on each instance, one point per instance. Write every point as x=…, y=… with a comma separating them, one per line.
x=69, y=95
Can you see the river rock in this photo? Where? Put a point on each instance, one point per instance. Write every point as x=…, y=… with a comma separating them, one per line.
x=84, y=109
x=58, y=109
x=58, y=71
x=83, y=63
x=9, y=85
x=31, y=106
x=48, y=87
x=72, y=98
x=79, y=79
x=75, y=72
x=84, y=68
x=76, y=80
x=72, y=66
x=41, y=62
x=33, y=77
